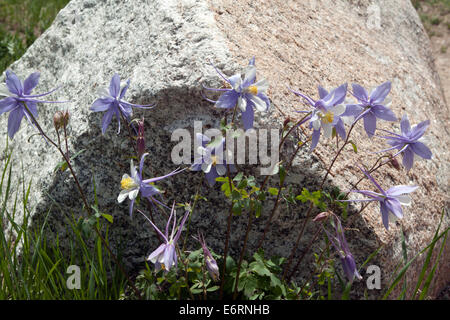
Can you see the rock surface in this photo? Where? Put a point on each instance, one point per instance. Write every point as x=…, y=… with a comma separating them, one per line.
x=164, y=48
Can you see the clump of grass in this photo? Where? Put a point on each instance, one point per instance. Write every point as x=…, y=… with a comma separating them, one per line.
x=21, y=22
x=444, y=49
x=32, y=266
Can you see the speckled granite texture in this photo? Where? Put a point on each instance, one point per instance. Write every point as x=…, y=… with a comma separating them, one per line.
x=164, y=48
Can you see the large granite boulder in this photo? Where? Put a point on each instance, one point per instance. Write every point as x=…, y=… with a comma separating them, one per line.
x=164, y=47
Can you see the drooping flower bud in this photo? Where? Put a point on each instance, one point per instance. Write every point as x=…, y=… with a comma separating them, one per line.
x=286, y=122
x=322, y=216
x=211, y=264
x=395, y=163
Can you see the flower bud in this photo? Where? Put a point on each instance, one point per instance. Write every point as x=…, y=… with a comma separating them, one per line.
x=66, y=117
x=395, y=164
x=286, y=122
x=58, y=120
x=322, y=216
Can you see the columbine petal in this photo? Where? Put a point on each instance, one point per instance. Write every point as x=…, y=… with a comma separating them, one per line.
x=408, y=158
x=227, y=100
x=383, y=112
x=247, y=118
x=370, y=124
x=206, y=167
x=250, y=76
x=114, y=86
x=30, y=83
x=401, y=189
x=14, y=119
x=7, y=104
x=242, y=103
x=153, y=257
x=379, y=94
x=360, y=93
x=404, y=199
x=13, y=83
x=259, y=104
x=384, y=215
x=101, y=104
x=107, y=120
x=405, y=126
x=422, y=150
x=123, y=195
x=394, y=206
x=315, y=139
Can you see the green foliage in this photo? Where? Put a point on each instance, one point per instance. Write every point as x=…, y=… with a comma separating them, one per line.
x=21, y=22
x=34, y=266
x=314, y=197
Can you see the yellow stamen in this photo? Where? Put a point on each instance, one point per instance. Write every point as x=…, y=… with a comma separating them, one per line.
x=328, y=117
x=127, y=183
x=253, y=90
x=163, y=266
x=214, y=160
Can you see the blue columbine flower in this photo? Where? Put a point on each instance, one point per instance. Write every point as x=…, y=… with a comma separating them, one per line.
x=327, y=113
x=371, y=107
x=340, y=244
x=209, y=158
x=132, y=185
x=246, y=94
x=408, y=142
x=390, y=200
x=16, y=95
x=165, y=256
x=111, y=101
x=211, y=263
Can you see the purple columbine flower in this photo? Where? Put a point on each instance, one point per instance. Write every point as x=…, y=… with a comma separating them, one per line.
x=390, y=200
x=327, y=113
x=371, y=107
x=165, y=256
x=15, y=95
x=246, y=94
x=209, y=158
x=340, y=244
x=132, y=185
x=408, y=142
x=111, y=101
x=210, y=262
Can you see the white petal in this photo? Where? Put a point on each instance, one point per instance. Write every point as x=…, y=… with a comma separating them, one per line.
x=123, y=195
x=103, y=92
x=404, y=199
x=338, y=110
x=262, y=85
x=202, y=151
x=237, y=85
x=259, y=103
x=133, y=194
x=133, y=170
x=250, y=73
x=327, y=129
x=221, y=169
x=348, y=120
x=206, y=167
x=316, y=124
x=242, y=104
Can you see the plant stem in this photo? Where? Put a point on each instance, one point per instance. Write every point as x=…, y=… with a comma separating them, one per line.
x=337, y=155
x=88, y=209
x=249, y=225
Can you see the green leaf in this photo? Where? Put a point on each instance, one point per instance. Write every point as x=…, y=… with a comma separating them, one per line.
x=273, y=191
x=108, y=217
x=355, y=148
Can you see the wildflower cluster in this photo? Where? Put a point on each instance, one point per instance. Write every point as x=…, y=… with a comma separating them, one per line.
x=331, y=114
